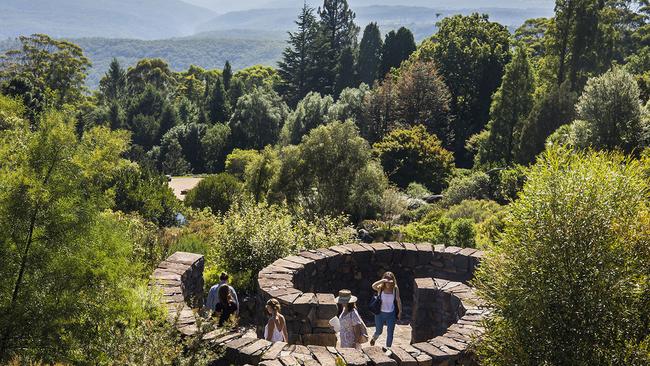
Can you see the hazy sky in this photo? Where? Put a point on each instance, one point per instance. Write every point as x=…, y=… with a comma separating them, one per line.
x=222, y=6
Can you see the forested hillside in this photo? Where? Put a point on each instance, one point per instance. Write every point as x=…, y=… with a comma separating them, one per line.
x=532, y=145
x=143, y=19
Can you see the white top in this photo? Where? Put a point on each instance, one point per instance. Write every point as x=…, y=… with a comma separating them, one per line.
x=387, y=302
x=277, y=334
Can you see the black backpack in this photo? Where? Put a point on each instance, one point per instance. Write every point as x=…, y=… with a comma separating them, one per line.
x=375, y=303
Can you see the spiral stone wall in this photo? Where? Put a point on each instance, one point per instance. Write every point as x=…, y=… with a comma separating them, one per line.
x=444, y=310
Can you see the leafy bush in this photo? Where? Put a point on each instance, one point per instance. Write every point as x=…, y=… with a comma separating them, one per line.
x=250, y=236
x=473, y=186
x=215, y=191
x=417, y=190
x=141, y=191
x=464, y=225
x=568, y=280
x=237, y=161
x=414, y=155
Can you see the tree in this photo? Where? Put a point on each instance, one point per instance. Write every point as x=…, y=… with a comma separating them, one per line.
x=150, y=71
x=414, y=155
x=67, y=270
x=145, y=192
x=553, y=107
x=215, y=143
x=113, y=84
x=531, y=35
x=511, y=105
x=218, y=107
x=422, y=98
x=189, y=137
x=397, y=48
x=47, y=65
x=370, y=50
x=471, y=53
x=298, y=60
x=379, y=110
x=337, y=32
x=311, y=112
x=226, y=75
x=568, y=279
x=611, y=105
x=168, y=119
x=257, y=118
x=331, y=171
x=345, y=75
x=173, y=161
x=215, y=191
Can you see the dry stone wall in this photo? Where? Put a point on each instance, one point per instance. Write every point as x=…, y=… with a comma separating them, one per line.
x=445, y=316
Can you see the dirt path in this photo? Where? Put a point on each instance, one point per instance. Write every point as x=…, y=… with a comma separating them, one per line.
x=183, y=184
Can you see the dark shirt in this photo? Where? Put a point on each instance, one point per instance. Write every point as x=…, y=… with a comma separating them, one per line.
x=226, y=311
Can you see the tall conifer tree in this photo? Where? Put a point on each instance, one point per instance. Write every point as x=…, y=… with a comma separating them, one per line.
x=227, y=75
x=397, y=48
x=296, y=67
x=337, y=32
x=370, y=50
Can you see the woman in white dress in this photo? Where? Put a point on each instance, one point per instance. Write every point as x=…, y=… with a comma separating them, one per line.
x=352, y=330
x=276, y=328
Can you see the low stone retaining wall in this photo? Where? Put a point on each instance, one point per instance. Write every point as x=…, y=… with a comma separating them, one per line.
x=180, y=279
x=433, y=280
x=305, y=284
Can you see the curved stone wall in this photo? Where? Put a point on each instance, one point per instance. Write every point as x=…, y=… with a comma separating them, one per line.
x=445, y=311
x=180, y=279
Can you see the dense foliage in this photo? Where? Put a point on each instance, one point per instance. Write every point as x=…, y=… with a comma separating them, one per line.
x=401, y=142
x=569, y=280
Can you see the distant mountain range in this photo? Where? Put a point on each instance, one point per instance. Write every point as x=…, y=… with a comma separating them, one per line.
x=421, y=20
x=224, y=6
x=160, y=19
x=203, y=33
x=144, y=19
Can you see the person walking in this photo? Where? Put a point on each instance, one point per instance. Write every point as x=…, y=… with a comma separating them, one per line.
x=275, y=329
x=391, y=307
x=353, y=332
x=213, y=295
x=226, y=306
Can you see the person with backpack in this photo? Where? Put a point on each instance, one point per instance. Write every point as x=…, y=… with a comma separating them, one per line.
x=387, y=307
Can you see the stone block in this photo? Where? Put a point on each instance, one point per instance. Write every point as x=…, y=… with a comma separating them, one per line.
x=402, y=357
x=327, y=308
x=353, y=357
x=322, y=355
x=378, y=357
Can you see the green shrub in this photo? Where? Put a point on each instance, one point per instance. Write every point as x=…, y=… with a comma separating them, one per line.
x=568, y=281
x=250, y=236
x=215, y=191
x=417, y=190
x=413, y=154
x=473, y=186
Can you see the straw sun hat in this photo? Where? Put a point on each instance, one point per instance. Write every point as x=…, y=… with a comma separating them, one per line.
x=345, y=297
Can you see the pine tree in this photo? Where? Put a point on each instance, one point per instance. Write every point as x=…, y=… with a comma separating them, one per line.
x=511, y=105
x=219, y=108
x=168, y=119
x=113, y=84
x=337, y=32
x=227, y=75
x=369, y=54
x=298, y=60
x=345, y=76
x=397, y=48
